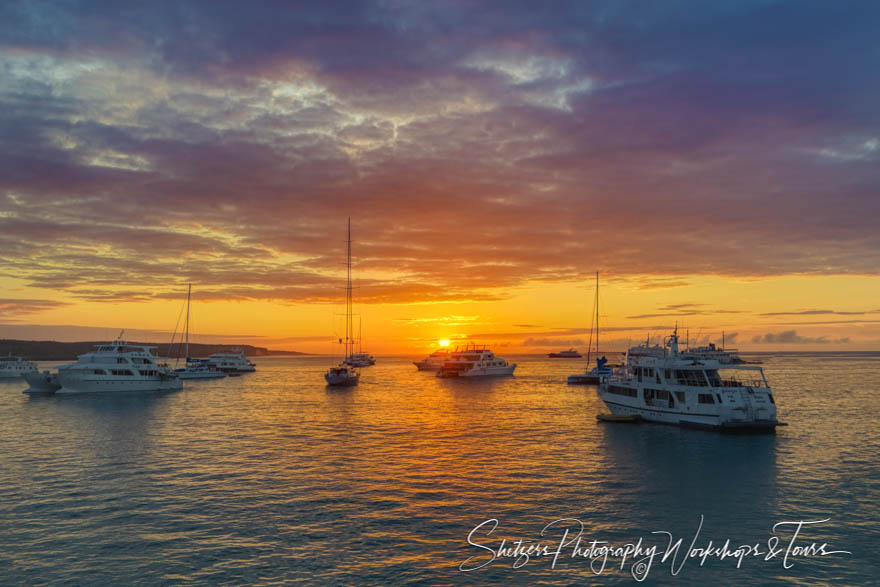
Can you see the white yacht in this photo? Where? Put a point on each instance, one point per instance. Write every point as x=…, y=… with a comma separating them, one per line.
x=345, y=374
x=475, y=361
x=117, y=366
x=231, y=362
x=15, y=367
x=720, y=354
x=672, y=388
x=434, y=361
x=360, y=360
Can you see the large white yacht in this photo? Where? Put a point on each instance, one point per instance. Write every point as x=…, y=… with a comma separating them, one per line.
x=117, y=366
x=474, y=361
x=434, y=361
x=231, y=362
x=15, y=367
x=673, y=388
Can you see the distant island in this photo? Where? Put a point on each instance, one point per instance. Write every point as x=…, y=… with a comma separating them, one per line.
x=50, y=350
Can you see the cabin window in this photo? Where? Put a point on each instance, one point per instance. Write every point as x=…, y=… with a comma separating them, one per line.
x=615, y=389
x=714, y=378
x=705, y=398
x=680, y=396
x=668, y=374
x=98, y=372
x=718, y=395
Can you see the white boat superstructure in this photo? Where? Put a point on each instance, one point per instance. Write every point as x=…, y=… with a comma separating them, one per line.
x=117, y=366
x=675, y=389
x=14, y=367
x=234, y=362
x=434, y=361
x=475, y=361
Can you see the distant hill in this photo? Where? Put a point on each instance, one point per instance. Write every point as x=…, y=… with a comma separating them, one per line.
x=49, y=350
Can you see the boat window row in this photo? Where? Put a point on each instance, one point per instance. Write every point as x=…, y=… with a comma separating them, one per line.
x=121, y=372
x=705, y=398
x=616, y=389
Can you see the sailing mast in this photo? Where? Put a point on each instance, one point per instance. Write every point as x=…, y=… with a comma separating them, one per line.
x=597, y=315
x=349, y=326
x=186, y=327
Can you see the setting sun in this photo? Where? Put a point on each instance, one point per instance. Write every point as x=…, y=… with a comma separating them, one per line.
x=443, y=343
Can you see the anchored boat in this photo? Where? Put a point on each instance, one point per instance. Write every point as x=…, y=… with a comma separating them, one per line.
x=673, y=388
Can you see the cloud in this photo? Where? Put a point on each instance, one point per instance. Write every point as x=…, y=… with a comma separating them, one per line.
x=554, y=342
x=792, y=337
x=18, y=307
x=476, y=148
x=818, y=313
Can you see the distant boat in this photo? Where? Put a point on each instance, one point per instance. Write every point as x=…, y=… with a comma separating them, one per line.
x=434, y=361
x=14, y=367
x=475, y=361
x=232, y=362
x=345, y=375
x=360, y=358
x=196, y=368
x=602, y=370
x=569, y=354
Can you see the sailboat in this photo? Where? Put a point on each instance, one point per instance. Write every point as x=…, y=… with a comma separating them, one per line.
x=195, y=368
x=360, y=358
x=344, y=375
x=601, y=371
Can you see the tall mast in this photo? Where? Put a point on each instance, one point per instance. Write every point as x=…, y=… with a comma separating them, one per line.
x=186, y=327
x=597, y=315
x=349, y=327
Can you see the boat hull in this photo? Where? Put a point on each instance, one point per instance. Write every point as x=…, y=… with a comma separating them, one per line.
x=41, y=383
x=585, y=379
x=423, y=366
x=480, y=372
x=334, y=380
x=72, y=383
x=689, y=420
x=200, y=375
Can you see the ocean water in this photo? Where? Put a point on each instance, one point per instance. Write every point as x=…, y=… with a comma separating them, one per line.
x=273, y=478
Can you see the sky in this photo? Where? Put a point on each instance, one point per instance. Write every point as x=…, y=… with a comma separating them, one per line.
x=718, y=163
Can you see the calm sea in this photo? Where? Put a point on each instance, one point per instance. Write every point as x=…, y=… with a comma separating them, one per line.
x=273, y=478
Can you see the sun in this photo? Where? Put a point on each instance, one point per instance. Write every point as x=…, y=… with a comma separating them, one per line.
x=443, y=342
